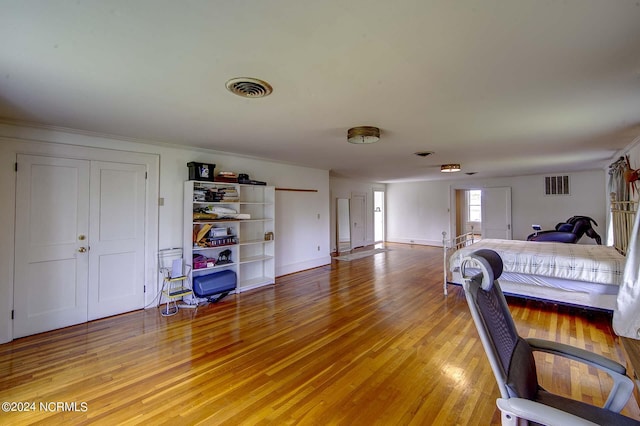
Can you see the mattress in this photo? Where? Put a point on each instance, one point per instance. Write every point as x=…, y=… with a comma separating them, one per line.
x=553, y=271
x=573, y=262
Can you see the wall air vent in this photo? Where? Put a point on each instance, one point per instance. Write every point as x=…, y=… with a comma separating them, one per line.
x=556, y=185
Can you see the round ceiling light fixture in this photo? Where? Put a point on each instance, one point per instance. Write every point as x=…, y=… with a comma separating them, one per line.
x=249, y=87
x=363, y=135
x=450, y=168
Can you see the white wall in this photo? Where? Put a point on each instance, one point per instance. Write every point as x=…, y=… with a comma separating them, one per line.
x=343, y=188
x=419, y=212
x=302, y=218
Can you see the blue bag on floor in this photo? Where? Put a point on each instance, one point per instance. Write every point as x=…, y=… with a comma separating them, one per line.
x=207, y=286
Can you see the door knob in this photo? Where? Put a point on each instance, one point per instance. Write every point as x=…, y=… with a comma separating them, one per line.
x=82, y=249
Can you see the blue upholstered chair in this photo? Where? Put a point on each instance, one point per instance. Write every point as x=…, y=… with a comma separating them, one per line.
x=570, y=231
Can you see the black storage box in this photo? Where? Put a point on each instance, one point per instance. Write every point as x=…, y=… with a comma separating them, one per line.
x=201, y=171
x=215, y=283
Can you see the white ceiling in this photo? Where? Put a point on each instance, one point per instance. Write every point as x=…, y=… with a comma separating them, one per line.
x=502, y=87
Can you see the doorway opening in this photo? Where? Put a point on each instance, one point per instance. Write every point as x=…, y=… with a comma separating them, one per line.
x=494, y=211
x=468, y=211
x=378, y=216
x=474, y=212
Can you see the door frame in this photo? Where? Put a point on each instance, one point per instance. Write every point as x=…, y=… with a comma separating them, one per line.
x=11, y=147
x=383, y=214
x=453, y=207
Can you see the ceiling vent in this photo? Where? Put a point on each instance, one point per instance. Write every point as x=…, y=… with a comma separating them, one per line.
x=249, y=87
x=556, y=185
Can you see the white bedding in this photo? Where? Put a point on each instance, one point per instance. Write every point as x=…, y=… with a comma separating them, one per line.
x=578, y=262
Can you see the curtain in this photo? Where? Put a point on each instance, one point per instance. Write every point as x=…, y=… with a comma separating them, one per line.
x=626, y=317
x=619, y=191
x=617, y=182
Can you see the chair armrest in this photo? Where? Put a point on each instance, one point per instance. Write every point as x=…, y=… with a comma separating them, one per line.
x=622, y=384
x=520, y=408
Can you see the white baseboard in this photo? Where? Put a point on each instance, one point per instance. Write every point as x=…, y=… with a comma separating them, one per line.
x=301, y=266
x=436, y=243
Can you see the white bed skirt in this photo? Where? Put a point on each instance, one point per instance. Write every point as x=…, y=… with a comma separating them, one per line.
x=603, y=297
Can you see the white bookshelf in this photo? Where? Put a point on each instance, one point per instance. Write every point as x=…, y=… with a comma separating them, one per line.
x=252, y=254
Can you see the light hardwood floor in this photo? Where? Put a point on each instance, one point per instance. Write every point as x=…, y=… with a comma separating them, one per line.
x=372, y=341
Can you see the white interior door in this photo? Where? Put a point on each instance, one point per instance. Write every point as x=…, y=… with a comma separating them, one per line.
x=496, y=213
x=51, y=266
x=358, y=222
x=80, y=241
x=117, y=232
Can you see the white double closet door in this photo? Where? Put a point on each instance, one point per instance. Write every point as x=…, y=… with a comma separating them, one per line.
x=80, y=241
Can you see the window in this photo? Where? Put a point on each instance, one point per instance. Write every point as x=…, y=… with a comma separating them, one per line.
x=474, y=204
